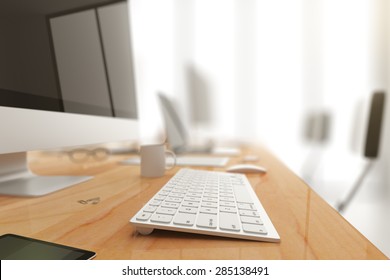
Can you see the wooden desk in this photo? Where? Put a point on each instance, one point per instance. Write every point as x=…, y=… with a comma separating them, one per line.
x=309, y=228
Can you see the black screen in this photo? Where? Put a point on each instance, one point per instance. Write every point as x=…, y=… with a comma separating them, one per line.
x=34, y=73
x=13, y=247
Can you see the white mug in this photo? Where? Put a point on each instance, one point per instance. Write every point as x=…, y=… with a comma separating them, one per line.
x=153, y=160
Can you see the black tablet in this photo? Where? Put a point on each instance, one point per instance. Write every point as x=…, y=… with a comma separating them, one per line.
x=16, y=247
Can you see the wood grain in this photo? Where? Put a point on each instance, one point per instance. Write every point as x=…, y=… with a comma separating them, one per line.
x=309, y=228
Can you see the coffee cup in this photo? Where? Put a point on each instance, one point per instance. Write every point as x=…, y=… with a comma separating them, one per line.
x=154, y=160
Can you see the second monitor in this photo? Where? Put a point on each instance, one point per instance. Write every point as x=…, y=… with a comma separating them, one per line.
x=178, y=136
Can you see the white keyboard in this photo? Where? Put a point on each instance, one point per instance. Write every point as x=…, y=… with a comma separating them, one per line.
x=207, y=202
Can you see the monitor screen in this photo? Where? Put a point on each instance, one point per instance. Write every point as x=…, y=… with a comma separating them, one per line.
x=61, y=55
x=66, y=79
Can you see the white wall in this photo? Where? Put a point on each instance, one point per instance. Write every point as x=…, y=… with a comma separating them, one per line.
x=153, y=45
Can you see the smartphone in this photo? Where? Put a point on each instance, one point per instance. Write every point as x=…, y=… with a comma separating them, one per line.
x=16, y=247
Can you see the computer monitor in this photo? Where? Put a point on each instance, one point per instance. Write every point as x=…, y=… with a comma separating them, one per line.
x=178, y=136
x=176, y=132
x=66, y=79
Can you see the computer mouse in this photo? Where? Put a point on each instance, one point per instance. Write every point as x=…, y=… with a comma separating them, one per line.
x=246, y=168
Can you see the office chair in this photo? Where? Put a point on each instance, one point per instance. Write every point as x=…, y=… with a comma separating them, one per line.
x=372, y=144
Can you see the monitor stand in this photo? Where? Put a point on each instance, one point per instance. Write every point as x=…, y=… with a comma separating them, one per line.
x=17, y=180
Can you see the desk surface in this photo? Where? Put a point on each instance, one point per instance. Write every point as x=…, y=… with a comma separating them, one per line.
x=309, y=228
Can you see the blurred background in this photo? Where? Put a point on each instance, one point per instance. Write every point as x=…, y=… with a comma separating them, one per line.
x=265, y=72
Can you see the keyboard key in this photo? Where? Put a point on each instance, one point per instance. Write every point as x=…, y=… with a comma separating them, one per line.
x=184, y=219
x=227, y=204
x=189, y=210
x=179, y=195
x=241, y=194
x=170, y=205
x=228, y=199
x=229, y=221
x=150, y=208
x=194, y=199
x=194, y=194
x=194, y=190
x=210, y=199
x=161, y=218
x=210, y=204
x=249, y=213
x=210, y=190
x=208, y=210
x=246, y=206
x=251, y=228
x=160, y=197
x=210, y=195
x=251, y=220
x=167, y=211
x=228, y=209
x=144, y=216
x=173, y=199
x=190, y=204
x=226, y=194
x=207, y=221
x=155, y=202
x=164, y=192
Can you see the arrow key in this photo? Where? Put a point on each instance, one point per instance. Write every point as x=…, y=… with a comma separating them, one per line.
x=229, y=221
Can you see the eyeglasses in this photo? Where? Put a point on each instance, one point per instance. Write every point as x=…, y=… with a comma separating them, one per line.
x=82, y=155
